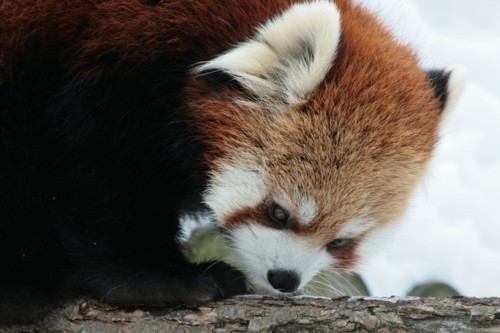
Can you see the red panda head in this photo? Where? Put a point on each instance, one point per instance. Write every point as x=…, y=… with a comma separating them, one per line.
x=318, y=134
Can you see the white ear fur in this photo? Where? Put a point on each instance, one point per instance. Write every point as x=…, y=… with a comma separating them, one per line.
x=289, y=55
x=457, y=76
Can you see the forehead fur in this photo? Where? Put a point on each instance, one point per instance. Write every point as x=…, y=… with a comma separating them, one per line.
x=357, y=145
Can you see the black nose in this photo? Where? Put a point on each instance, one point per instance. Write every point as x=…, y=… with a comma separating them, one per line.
x=284, y=281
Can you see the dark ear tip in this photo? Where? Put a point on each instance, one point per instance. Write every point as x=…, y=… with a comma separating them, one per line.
x=448, y=85
x=439, y=81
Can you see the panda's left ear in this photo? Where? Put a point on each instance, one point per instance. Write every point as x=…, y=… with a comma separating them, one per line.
x=448, y=85
x=287, y=58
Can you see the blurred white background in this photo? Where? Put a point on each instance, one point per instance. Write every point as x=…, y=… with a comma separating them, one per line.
x=452, y=230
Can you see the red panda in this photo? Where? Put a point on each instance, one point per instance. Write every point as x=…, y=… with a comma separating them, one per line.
x=300, y=127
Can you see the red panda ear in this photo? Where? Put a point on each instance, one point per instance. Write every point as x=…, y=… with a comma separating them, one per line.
x=448, y=85
x=289, y=55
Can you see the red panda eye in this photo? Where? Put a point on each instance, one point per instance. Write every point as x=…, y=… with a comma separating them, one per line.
x=339, y=243
x=279, y=215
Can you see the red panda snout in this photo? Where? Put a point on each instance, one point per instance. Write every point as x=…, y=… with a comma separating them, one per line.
x=262, y=250
x=283, y=281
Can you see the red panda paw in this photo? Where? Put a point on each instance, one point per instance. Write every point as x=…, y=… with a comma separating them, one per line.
x=223, y=280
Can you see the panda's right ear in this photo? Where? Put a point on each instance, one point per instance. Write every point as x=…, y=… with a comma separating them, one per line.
x=448, y=85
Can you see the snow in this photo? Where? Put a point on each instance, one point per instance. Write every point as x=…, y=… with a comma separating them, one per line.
x=452, y=230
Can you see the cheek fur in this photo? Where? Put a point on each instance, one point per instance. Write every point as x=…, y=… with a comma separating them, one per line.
x=347, y=257
x=363, y=247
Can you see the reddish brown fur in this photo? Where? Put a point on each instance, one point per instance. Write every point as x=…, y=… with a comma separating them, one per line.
x=346, y=257
x=358, y=145
x=135, y=30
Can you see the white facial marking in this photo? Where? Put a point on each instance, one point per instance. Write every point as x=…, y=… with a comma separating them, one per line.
x=307, y=210
x=259, y=249
x=233, y=187
x=355, y=228
x=290, y=54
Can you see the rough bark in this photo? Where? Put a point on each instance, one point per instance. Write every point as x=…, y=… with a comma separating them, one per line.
x=455, y=314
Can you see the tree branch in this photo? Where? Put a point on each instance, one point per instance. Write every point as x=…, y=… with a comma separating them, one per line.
x=454, y=314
